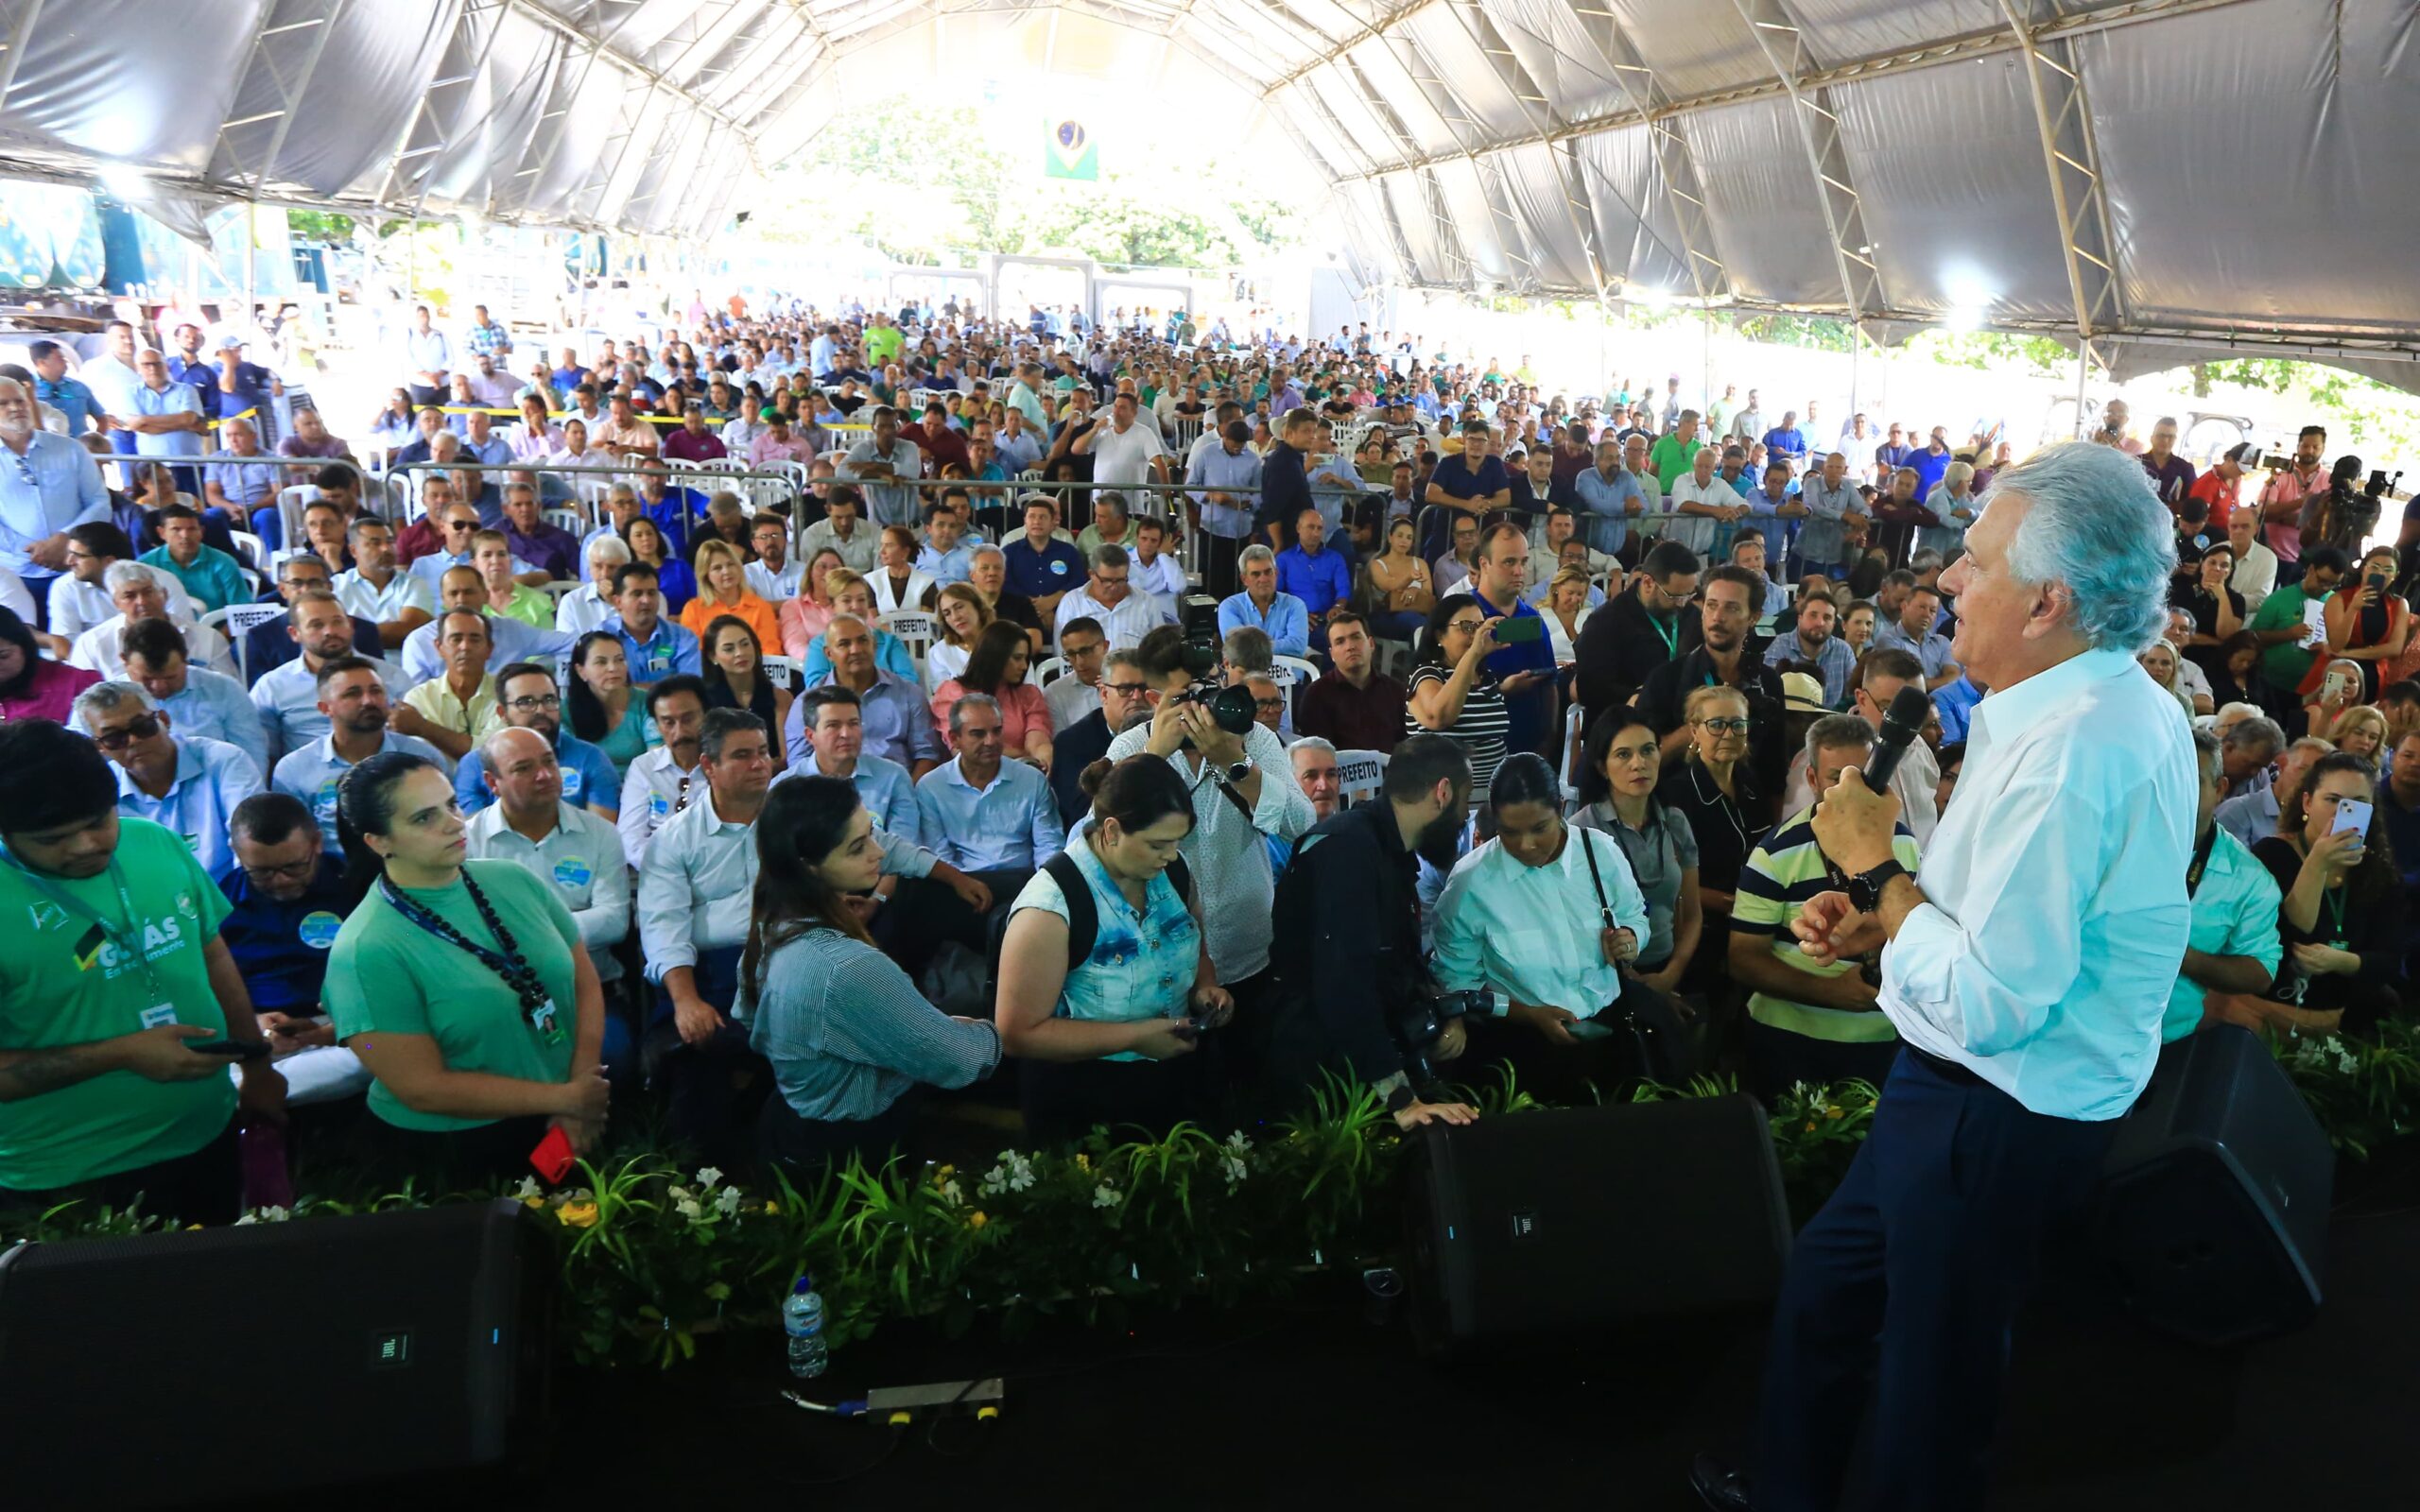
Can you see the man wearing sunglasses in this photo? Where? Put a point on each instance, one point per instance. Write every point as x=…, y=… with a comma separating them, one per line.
x=189, y=784
x=528, y=699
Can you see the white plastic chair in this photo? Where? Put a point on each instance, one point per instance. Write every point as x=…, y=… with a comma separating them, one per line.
x=1295, y=675
x=1360, y=775
x=564, y=518
x=236, y=622
x=1050, y=669
x=1574, y=743
x=783, y=670
x=250, y=548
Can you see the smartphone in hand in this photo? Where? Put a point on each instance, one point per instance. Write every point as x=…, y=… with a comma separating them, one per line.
x=2351, y=814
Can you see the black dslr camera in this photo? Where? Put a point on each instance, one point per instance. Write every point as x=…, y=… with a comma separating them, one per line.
x=1419, y=1026
x=1230, y=709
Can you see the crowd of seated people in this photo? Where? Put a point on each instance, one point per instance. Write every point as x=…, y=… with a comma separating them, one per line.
x=485, y=827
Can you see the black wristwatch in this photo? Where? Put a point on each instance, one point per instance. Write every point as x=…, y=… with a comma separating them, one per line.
x=1239, y=770
x=1865, y=889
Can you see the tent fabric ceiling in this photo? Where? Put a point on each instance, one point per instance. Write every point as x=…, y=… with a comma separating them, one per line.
x=2219, y=171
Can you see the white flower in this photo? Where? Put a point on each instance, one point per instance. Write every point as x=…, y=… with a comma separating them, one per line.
x=687, y=1207
x=1105, y=1196
x=708, y=1176
x=677, y=1193
x=2347, y=1062
x=527, y=1188
x=728, y=1204
x=1238, y=1142
x=265, y=1215
x=1234, y=1169
x=1021, y=1180
x=950, y=1193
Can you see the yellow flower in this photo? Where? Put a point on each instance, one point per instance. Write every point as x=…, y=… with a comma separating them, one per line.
x=975, y=1220
x=1835, y=1113
x=1810, y=1125
x=945, y=1173
x=576, y=1214
x=1083, y=1162
x=533, y=1202
x=772, y=1207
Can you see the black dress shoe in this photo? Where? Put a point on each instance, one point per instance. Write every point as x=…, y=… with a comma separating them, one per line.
x=1720, y=1486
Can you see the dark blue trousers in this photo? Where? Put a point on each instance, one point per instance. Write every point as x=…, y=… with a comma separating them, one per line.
x=1901, y=1293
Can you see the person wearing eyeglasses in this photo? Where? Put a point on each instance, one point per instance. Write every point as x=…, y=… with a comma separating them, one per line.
x=1656, y=621
x=1712, y=790
x=188, y=785
x=526, y=697
x=527, y=817
x=287, y=897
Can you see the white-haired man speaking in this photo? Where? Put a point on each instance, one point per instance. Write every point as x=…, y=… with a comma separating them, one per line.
x=2026, y=965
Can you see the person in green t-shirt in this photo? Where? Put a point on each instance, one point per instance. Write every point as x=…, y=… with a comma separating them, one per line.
x=2286, y=645
x=1674, y=454
x=461, y=986
x=115, y=972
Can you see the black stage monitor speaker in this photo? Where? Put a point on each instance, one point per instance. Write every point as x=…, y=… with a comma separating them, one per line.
x=155, y=1370
x=2215, y=1197
x=1530, y=1227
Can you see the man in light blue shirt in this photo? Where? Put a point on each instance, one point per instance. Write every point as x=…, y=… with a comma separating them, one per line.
x=353, y=709
x=49, y=486
x=186, y=783
x=897, y=718
x=1261, y=606
x=167, y=420
x=1830, y=497
x=1310, y=571
x=526, y=698
x=832, y=722
x=942, y=557
x=1610, y=494
x=655, y=647
x=1225, y=482
x=1810, y=638
x=1913, y=632
x=207, y=704
x=873, y=464
x=985, y=816
x=509, y=640
x=2234, y=946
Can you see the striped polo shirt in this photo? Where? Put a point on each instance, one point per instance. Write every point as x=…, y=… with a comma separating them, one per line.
x=1781, y=874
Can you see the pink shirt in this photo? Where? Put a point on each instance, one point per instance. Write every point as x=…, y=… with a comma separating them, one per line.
x=50, y=693
x=768, y=450
x=1022, y=708
x=2285, y=537
x=801, y=621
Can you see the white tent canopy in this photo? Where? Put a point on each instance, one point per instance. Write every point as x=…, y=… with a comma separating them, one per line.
x=2194, y=175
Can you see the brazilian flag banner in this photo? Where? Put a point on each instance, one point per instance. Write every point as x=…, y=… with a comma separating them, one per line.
x=1071, y=153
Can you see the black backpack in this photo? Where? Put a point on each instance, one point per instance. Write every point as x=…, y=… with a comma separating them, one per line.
x=1083, y=919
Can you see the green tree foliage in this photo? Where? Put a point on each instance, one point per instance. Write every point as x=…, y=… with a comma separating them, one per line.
x=924, y=186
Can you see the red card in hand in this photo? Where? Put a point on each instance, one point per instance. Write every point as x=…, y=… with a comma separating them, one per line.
x=553, y=1157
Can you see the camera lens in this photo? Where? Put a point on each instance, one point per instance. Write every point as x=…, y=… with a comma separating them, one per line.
x=1232, y=709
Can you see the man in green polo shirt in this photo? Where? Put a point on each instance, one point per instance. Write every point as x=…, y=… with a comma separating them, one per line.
x=114, y=971
x=1675, y=454
x=1808, y=1022
x=2285, y=645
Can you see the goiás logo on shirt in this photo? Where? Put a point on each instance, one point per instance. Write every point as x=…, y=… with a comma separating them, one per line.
x=319, y=929
x=93, y=949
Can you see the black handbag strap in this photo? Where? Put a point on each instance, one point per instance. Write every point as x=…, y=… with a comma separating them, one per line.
x=1596, y=878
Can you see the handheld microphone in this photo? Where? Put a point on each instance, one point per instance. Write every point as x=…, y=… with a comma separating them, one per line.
x=1901, y=723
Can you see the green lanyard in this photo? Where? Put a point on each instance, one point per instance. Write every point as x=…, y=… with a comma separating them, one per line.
x=1672, y=638
x=2334, y=897
x=128, y=937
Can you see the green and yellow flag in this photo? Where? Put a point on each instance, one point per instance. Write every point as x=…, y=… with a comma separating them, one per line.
x=1071, y=153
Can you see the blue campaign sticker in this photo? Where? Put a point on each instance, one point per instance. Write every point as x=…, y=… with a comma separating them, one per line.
x=319, y=927
x=1058, y=567
x=575, y=780
x=573, y=871
x=658, y=804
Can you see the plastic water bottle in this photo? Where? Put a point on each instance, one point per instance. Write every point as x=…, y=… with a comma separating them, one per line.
x=803, y=1318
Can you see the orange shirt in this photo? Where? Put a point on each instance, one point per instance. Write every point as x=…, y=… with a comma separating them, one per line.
x=759, y=615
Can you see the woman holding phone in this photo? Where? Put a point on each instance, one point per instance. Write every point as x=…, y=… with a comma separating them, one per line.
x=2366, y=624
x=2342, y=919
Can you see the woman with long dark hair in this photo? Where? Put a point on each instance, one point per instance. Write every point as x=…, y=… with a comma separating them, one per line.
x=997, y=666
x=735, y=676
x=605, y=711
x=2342, y=919
x=31, y=685
x=847, y=1033
x=461, y=985
x=1453, y=693
x=1107, y=1038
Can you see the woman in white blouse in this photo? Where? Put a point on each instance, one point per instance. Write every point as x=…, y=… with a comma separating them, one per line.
x=959, y=615
x=1564, y=611
x=897, y=584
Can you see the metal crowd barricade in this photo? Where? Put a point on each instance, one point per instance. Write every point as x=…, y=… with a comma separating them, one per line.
x=288, y=498
x=756, y=486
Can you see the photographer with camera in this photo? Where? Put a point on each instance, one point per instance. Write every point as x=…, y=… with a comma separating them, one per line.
x=1351, y=990
x=1241, y=787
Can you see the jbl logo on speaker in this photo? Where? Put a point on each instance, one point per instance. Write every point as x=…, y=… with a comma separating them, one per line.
x=1525, y=1225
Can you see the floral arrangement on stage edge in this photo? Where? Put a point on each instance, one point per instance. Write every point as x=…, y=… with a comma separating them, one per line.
x=654, y=1254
